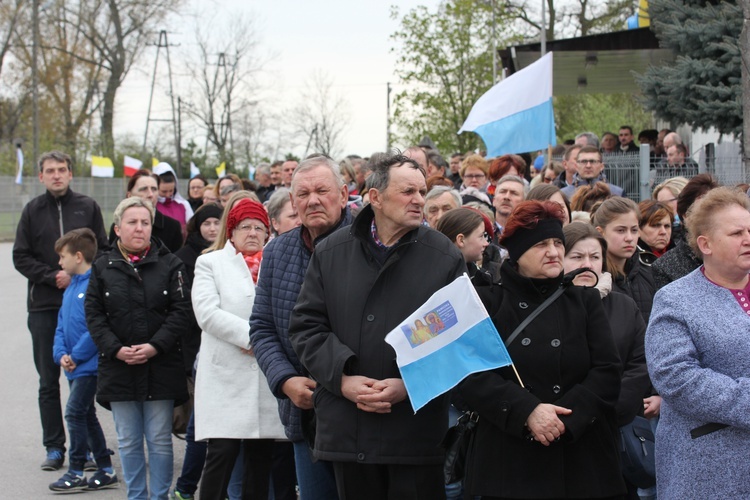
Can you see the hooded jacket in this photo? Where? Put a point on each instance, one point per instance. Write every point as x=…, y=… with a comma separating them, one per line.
x=72, y=334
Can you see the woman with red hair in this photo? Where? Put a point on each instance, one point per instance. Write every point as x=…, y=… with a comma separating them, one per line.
x=547, y=425
x=506, y=165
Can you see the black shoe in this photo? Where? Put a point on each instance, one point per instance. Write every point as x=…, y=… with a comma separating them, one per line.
x=55, y=460
x=103, y=480
x=70, y=483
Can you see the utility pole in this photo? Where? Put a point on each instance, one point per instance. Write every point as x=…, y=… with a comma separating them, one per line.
x=494, y=45
x=222, y=62
x=179, y=134
x=544, y=28
x=388, y=117
x=35, y=79
x=163, y=42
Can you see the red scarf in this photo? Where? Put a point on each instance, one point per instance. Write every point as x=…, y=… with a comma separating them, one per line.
x=253, y=263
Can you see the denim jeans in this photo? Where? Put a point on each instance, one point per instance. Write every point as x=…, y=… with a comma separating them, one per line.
x=316, y=480
x=42, y=325
x=83, y=426
x=135, y=420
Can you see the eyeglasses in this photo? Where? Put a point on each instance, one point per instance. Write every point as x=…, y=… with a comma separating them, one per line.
x=246, y=228
x=474, y=176
x=548, y=179
x=589, y=162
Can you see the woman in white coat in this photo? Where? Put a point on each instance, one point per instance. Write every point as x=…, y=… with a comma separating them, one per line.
x=234, y=407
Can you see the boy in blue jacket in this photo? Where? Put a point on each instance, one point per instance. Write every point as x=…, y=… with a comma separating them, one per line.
x=76, y=353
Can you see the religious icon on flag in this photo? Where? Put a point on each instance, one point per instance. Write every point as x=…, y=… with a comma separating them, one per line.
x=447, y=339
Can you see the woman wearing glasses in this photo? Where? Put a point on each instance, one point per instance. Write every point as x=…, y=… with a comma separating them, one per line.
x=234, y=407
x=474, y=173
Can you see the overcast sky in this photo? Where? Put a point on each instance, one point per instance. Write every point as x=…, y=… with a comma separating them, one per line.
x=348, y=40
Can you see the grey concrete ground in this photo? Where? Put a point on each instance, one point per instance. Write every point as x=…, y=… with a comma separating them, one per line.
x=21, y=450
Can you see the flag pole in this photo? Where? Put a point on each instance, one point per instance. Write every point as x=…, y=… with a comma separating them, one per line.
x=517, y=375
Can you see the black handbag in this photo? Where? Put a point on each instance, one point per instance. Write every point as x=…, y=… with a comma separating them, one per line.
x=457, y=442
x=459, y=438
x=637, y=453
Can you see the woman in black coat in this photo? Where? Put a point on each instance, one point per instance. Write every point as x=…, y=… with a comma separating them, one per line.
x=166, y=230
x=618, y=220
x=137, y=309
x=585, y=247
x=550, y=430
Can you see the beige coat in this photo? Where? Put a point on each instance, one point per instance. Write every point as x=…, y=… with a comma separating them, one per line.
x=232, y=398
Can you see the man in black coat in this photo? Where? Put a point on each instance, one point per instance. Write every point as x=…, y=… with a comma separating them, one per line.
x=43, y=220
x=361, y=282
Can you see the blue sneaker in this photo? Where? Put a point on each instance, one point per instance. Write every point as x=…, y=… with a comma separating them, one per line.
x=70, y=483
x=55, y=460
x=101, y=480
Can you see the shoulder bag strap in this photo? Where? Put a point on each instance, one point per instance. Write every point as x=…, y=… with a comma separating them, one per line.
x=533, y=315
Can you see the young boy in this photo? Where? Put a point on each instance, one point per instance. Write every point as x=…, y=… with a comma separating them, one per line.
x=76, y=353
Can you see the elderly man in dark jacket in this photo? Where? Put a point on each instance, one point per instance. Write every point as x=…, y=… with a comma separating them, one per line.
x=361, y=282
x=320, y=196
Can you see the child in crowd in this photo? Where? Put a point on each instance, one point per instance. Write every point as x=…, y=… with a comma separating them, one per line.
x=76, y=353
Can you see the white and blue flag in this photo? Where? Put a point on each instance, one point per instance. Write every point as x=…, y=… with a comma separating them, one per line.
x=516, y=116
x=450, y=337
x=19, y=158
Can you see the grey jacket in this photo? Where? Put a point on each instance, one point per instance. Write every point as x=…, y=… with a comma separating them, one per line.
x=699, y=361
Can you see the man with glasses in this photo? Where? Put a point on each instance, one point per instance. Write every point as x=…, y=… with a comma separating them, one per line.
x=590, y=170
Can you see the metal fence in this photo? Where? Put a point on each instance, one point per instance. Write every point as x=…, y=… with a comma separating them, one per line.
x=636, y=173
x=107, y=193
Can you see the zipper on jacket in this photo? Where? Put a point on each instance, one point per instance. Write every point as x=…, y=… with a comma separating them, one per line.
x=181, y=282
x=59, y=216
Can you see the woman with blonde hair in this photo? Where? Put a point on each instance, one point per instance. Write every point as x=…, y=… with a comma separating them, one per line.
x=697, y=351
x=474, y=171
x=234, y=407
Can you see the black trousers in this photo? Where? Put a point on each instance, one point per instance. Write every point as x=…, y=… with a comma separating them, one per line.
x=42, y=325
x=283, y=471
x=356, y=481
x=220, y=459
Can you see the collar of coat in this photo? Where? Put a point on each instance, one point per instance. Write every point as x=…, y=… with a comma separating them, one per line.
x=536, y=289
x=307, y=241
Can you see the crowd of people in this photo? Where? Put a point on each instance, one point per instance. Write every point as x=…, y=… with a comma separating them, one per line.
x=272, y=297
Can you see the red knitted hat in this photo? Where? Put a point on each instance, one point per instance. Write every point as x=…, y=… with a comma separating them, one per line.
x=246, y=209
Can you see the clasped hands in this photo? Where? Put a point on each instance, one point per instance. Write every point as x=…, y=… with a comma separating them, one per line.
x=371, y=395
x=136, y=354
x=544, y=425
x=67, y=363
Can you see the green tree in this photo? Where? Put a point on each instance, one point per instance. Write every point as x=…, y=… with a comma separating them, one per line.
x=702, y=86
x=444, y=60
x=598, y=113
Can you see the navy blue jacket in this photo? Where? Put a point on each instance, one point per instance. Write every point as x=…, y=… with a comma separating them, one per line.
x=285, y=261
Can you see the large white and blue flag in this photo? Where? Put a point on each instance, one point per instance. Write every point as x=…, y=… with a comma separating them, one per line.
x=516, y=116
x=448, y=338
